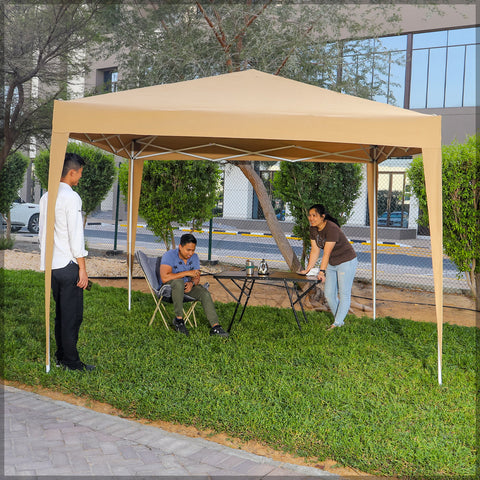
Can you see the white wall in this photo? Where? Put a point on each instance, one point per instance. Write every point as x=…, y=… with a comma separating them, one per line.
x=413, y=212
x=238, y=196
x=359, y=210
x=76, y=84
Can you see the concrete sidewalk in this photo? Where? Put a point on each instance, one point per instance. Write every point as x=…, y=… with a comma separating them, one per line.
x=48, y=437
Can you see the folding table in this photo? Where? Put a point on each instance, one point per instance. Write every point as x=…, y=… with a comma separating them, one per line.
x=245, y=283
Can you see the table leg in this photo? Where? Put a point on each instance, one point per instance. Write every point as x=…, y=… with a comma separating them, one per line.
x=244, y=289
x=299, y=301
x=292, y=303
x=300, y=298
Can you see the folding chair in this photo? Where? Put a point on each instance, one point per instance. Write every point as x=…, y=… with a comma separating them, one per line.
x=162, y=293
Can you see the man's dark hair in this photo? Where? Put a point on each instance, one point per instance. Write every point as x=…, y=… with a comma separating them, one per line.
x=187, y=238
x=72, y=161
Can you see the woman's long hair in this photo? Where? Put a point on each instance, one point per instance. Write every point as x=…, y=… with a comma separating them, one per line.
x=320, y=209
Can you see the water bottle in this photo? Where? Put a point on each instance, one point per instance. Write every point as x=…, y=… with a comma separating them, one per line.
x=249, y=268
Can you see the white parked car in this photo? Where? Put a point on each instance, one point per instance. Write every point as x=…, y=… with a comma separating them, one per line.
x=26, y=213
x=14, y=226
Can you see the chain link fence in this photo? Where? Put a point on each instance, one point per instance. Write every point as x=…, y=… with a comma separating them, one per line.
x=239, y=233
x=405, y=263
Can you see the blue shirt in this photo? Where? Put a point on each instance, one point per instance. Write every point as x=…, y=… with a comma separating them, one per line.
x=172, y=258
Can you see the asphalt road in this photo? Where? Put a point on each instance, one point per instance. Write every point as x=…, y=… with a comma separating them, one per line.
x=237, y=246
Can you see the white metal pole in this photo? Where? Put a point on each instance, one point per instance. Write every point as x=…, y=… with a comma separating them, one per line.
x=374, y=238
x=130, y=229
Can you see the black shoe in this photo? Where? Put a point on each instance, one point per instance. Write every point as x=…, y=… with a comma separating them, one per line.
x=87, y=368
x=179, y=326
x=218, y=330
x=83, y=367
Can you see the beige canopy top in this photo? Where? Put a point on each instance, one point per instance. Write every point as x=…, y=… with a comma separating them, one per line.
x=244, y=116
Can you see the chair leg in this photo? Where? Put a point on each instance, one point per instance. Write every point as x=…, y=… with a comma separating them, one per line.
x=191, y=312
x=163, y=314
x=159, y=306
x=153, y=316
x=160, y=309
x=194, y=317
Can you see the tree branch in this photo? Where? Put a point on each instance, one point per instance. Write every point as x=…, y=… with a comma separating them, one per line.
x=252, y=18
x=212, y=26
x=279, y=69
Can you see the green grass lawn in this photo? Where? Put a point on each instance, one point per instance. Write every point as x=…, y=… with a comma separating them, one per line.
x=365, y=395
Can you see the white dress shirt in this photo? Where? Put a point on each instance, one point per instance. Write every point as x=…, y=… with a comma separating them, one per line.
x=69, y=243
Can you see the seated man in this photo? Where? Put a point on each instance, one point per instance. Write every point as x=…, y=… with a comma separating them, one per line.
x=181, y=269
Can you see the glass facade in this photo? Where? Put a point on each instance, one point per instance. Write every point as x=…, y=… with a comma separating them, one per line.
x=419, y=70
x=443, y=63
x=381, y=62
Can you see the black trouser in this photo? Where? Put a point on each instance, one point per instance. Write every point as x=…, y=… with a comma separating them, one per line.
x=68, y=313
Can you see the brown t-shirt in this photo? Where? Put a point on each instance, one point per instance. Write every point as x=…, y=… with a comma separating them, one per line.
x=342, y=251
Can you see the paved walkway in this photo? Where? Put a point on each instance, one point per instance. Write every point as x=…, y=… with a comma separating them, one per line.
x=53, y=438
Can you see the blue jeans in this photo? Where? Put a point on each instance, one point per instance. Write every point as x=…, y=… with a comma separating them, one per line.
x=338, y=288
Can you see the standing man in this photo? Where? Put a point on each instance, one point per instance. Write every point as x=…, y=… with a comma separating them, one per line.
x=69, y=274
x=181, y=269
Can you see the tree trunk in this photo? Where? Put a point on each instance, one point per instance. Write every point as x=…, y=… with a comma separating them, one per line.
x=477, y=290
x=8, y=231
x=273, y=224
x=6, y=148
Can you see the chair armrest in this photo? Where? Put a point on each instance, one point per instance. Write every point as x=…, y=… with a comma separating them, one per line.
x=165, y=290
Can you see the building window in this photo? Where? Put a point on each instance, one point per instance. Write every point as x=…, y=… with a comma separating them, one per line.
x=382, y=63
x=218, y=209
x=109, y=80
x=375, y=69
x=267, y=173
x=443, y=68
x=420, y=70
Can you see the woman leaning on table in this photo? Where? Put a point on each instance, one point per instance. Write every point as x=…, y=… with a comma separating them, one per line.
x=339, y=261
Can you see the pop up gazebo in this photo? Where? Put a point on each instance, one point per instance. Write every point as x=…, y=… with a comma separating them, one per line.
x=245, y=116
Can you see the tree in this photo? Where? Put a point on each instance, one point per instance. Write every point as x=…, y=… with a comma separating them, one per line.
x=175, y=192
x=43, y=44
x=97, y=178
x=173, y=41
x=388, y=201
x=169, y=42
x=336, y=185
x=461, y=205
x=11, y=180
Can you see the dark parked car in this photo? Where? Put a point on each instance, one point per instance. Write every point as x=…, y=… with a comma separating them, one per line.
x=397, y=219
